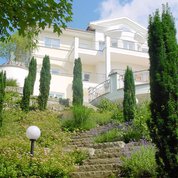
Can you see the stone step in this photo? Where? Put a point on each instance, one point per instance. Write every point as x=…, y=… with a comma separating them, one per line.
x=108, y=150
x=106, y=155
x=119, y=144
x=101, y=161
x=78, y=145
x=81, y=136
x=96, y=167
x=94, y=174
x=85, y=142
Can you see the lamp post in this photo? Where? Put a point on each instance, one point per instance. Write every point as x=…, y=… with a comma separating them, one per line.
x=33, y=133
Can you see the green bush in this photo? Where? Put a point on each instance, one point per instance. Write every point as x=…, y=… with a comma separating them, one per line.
x=101, y=118
x=117, y=115
x=138, y=129
x=11, y=82
x=79, y=119
x=110, y=136
x=106, y=105
x=141, y=163
x=79, y=156
x=142, y=116
x=64, y=102
x=131, y=134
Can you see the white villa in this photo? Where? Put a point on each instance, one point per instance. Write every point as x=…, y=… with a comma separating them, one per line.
x=106, y=48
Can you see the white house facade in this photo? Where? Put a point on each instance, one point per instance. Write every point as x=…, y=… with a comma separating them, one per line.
x=106, y=48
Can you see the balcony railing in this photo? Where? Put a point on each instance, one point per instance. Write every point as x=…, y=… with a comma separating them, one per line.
x=99, y=90
x=140, y=77
x=119, y=44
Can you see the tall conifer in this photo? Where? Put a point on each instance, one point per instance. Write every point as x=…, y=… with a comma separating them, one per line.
x=2, y=94
x=129, y=102
x=25, y=103
x=45, y=78
x=32, y=73
x=164, y=91
x=77, y=84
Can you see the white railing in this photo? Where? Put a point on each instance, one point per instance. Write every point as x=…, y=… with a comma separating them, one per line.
x=140, y=77
x=121, y=44
x=130, y=45
x=99, y=90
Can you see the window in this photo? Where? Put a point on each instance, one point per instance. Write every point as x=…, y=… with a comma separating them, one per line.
x=114, y=43
x=86, y=77
x=52, y=42
x=128, y=45
x=55, y=71
x=56, y=95
x=101, y=45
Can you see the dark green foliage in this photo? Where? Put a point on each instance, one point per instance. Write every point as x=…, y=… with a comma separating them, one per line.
x=29, y=17
x=129, y=102
x=2, y=94
x=32, y=73
x=45, y=78
x=164, y=91
x=28, y=86
x=25, y=103
x=77, y=85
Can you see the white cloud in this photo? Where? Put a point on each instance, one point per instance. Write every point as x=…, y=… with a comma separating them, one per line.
x=137, y=10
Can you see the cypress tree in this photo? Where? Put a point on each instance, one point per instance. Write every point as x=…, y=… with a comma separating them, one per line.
x=32, y=73
x=164, y=91
x=129, y=102
x=45, y=78
x=77, y=85
x=2, y=94
x=25, y=103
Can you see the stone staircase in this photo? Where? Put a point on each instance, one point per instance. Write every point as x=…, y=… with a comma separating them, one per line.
x=104, y=158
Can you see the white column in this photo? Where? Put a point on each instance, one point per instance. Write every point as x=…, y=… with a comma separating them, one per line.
x=107, y=57
x=76, y=46
x=113, y=82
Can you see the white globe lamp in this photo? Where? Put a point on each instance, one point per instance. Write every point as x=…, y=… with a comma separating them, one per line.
x=33, y=133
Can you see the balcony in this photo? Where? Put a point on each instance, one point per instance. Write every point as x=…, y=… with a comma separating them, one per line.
x=112, y=89
x=117, y=44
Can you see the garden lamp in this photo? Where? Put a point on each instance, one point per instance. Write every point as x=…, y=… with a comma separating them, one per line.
x=33, y=133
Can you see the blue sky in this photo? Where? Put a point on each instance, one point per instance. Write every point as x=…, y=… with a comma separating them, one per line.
x=85, y=11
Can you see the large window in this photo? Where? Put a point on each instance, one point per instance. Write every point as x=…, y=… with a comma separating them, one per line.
x=86, y=77
x=128, y=45
x=114, y=43
x=52, y=42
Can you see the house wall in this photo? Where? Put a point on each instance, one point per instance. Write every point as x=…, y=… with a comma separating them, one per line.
x=15, y=72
